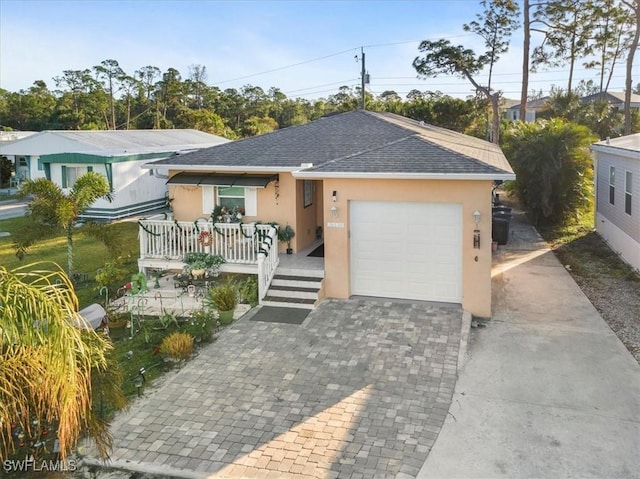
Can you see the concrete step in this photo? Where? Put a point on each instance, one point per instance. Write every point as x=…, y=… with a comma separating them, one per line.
x=296, y=281
x=281, y=302
x=293, y=292
x=311, y=273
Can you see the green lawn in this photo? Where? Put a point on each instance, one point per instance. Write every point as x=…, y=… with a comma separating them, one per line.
x=89, y=254
x=580, y=247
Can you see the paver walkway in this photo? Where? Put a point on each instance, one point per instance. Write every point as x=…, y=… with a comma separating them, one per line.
x=360, y=389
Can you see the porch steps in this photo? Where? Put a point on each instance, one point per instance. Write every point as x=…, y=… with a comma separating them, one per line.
x=294, y=289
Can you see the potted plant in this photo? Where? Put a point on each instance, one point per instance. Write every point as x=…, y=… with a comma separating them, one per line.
x=197, y=268
x=213, y=262
x=200, y=262
x=224, y=298
x=286, y=234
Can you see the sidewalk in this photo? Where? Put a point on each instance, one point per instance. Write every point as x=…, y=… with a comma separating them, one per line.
x=549, y=390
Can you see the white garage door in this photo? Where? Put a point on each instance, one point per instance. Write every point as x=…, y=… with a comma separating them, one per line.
x=406, y=250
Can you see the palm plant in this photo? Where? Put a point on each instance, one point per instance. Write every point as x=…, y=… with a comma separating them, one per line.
x=52, y=209
x=47, y=363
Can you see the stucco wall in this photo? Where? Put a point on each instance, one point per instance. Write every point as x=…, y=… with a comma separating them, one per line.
x=472, y=195
x=275, y=203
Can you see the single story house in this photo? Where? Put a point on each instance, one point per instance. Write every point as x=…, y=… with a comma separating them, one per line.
x=403, y=207
x=615, y=98
x=63, y=156
x=617, y=186
x=533, y=108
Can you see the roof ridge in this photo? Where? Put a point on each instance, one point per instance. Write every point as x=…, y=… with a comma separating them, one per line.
x=358, y=153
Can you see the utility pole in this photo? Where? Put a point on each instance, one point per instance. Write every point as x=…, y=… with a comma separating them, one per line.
x=362, y=78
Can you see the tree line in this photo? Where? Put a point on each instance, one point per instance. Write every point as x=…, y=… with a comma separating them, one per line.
x=106, y=97
x=600, y=34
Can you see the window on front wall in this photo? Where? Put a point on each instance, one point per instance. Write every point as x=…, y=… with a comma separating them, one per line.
x=70, y=175
x=231, y=197
x=612, y=185
x=628, y=179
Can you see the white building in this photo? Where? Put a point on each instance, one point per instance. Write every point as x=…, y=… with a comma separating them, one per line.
x=617, y=177
x=63, y=156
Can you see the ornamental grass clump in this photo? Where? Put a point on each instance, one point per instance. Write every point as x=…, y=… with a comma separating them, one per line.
x=177, y=345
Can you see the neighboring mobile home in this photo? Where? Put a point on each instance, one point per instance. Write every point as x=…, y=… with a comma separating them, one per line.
x=404, y=208
x=63, y=156
x=617, y=178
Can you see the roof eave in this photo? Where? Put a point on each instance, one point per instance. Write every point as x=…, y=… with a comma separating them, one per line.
x=219, y=168
x=616, y=150
x=302, y=174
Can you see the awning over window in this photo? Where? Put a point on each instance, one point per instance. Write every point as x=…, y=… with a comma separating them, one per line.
x=214, y=179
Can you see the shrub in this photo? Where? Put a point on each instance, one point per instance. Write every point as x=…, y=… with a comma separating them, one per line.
x=553, y=167
x=249, y=291
x=223, y=297
x=177, y=345
x=201, y=325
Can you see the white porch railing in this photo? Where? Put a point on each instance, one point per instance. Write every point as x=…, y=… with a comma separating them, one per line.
x=267, y=262
x=235, y=242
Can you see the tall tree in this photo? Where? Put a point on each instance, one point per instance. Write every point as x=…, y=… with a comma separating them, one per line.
x=612, y=35
x=495, y=25
x=526, y=52
x=197, y=84
x=567, y=27
x=441, y=57
x=46, y=377
x=111, y=73
x=51, y=209
x=634, y=13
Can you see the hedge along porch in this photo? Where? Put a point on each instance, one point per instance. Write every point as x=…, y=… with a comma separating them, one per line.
x=474, y=264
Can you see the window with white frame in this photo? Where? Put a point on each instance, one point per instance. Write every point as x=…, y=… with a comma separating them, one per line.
x=612, y=185
x=231, y=197
x=628, y=180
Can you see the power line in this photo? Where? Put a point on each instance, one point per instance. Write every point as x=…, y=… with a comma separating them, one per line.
x=324, y=57
x=287, y=66
x=320, y=86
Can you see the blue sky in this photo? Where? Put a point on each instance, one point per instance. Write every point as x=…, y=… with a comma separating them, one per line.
x=238, y=41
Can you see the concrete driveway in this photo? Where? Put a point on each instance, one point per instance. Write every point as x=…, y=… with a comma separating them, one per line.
x=549, y=390
x=12, y=209
x=360, y=389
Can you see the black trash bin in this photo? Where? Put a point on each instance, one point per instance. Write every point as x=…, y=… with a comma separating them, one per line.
x=502, y=215
x=500, y=230
x=497, y=209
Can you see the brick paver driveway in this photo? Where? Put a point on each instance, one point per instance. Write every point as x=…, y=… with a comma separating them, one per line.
x=360, y=389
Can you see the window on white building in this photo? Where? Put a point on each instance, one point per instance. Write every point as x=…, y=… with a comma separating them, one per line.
x=628, y=180
x=612, y=185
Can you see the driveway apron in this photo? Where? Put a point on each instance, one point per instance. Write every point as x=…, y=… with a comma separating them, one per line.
x=360, y=389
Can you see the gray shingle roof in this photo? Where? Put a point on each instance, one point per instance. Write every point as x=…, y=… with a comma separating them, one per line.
x=357, y=141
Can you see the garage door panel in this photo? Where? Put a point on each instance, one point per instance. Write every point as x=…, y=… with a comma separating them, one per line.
x=406, y=250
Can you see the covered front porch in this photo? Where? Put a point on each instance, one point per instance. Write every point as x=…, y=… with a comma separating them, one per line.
x=250, y=248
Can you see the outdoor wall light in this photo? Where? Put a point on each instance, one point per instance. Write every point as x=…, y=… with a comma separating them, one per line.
x=334, y=211
x=334, y=196
x=476, y=232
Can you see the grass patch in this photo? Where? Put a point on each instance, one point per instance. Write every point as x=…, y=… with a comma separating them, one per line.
x=6, y=196
x=579, y=246
x=89, y=254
